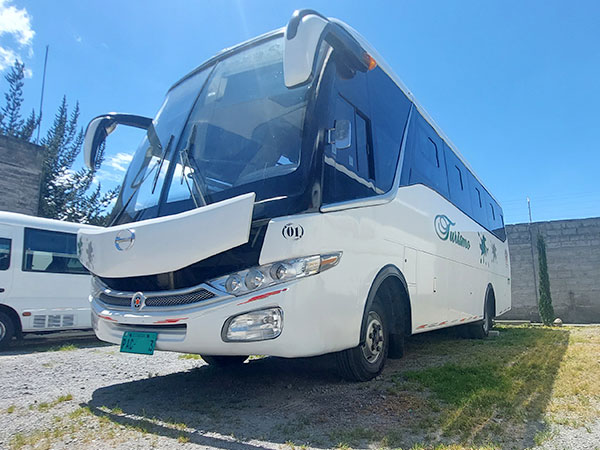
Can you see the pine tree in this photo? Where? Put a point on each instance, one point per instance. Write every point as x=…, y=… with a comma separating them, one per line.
x=65, y=192
x=11, y=121
x=545, y=302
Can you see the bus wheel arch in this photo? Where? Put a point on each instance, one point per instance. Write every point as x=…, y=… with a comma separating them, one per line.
x=481, y=328
x=386, y=320
x=10, y=325
x=391, y=288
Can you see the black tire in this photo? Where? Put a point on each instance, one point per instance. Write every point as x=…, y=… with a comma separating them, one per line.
x=481, y=329
x=366, y=361
x=7, y=329
x=224, y=361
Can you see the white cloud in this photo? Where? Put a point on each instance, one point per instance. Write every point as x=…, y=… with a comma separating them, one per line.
x=120, y=161
x=15, y=22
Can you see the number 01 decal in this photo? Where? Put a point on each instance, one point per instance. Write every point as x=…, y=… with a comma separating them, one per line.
x=292, y=231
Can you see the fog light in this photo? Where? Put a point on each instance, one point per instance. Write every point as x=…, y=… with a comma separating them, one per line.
x=254, y=326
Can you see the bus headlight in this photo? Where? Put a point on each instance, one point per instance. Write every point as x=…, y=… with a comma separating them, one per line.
x=254, y=326
x=255, y=278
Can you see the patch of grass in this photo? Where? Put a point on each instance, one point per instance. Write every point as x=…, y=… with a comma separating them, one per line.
x=45, y=406
x=353, y=436
x=190, y=356
x=183, y=439
x=63, y=348
x=542, y=436
x=11, y=409
x=493, y=386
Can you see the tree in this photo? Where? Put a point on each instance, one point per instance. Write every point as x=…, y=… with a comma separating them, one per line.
x=11, y=121
x=545, y=302
x=65, y=193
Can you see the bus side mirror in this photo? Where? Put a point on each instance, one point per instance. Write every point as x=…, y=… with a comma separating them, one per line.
x=100, y=127
x=340, y=134
x=303, y=35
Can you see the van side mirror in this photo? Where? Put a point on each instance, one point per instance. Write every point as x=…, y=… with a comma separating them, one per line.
x=340, y=134
x=100, y=127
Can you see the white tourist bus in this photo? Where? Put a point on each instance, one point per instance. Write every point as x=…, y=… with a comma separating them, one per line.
x=43, y=286
x=291, y=198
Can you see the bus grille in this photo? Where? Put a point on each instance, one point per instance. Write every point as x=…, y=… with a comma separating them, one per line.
x=160, y=300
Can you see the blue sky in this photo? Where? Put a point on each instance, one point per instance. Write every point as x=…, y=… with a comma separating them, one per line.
x=514, y=84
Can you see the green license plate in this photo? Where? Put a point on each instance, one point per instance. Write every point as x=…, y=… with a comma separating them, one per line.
x=138, y=342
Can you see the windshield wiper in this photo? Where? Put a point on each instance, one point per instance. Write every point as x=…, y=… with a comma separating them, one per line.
x=154, y=142
x=187, y=160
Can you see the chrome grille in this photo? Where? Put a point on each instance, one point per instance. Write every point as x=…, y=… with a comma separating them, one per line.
x=160, y=300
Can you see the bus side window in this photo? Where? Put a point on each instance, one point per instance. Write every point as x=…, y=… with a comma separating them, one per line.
x=425, y=162
x=457, y=181
x=348, y=172
x=51, y=251
x=476, y=190
x=4, y=253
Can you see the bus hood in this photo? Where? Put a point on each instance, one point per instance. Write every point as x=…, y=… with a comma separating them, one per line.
x=166, y=244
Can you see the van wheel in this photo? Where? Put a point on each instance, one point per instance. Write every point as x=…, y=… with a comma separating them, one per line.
x=366, y=361
x=224, y=361
x=7, y=330
x=481, y=329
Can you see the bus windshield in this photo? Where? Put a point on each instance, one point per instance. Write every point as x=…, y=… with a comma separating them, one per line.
x=223, y=131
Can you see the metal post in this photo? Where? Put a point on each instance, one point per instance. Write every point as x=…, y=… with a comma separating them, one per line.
x=37, y=139
x=535, y=287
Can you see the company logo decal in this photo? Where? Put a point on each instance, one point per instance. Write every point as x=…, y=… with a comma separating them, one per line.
x=124, y=240
x=443, y=228
x=138, y=300
x=485, y=251
x=292, y=231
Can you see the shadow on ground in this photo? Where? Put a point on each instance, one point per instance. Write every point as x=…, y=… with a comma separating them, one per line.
x=52, y=342
x=445, y=390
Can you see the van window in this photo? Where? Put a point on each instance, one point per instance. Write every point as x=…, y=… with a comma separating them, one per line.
x=51, y=251
x=4, y=253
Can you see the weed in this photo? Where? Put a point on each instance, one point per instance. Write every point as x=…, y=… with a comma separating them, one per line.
x=190, y=356
x=183, y=439
x=11, y=409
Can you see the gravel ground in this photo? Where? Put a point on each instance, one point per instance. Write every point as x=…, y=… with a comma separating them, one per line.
x=93, y=396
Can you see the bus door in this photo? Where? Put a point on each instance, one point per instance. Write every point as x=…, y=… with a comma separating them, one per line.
x=7, y=261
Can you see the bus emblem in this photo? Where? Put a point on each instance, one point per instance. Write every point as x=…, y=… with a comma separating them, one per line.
x=292, y=231
x=124, y=240
x=442, y=226
x=138, y=300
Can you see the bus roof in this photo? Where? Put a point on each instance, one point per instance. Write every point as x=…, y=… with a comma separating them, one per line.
x=23, y=220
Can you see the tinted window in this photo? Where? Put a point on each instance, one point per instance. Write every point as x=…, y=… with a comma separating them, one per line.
x=51, y=251
x=348, y=172
x=4, y=253
x=389, y=113
x=424, y=161
x=457, y=181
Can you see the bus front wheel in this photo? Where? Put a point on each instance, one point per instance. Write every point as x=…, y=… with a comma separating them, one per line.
x=366, y=361
x=7, y=329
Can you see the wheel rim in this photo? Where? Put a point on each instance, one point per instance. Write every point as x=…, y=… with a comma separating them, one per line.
x=2, y=331
x=373, y=347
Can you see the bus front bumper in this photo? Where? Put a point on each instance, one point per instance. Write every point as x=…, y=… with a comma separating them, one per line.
x=306, y=325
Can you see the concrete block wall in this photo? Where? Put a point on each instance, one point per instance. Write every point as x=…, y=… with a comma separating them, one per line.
x=20, y=175
x=573, y=251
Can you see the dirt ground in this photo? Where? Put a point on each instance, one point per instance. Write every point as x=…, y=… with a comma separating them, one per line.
x=87, y=394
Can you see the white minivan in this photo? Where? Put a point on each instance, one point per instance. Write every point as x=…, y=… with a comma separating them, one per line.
x=43, y=286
